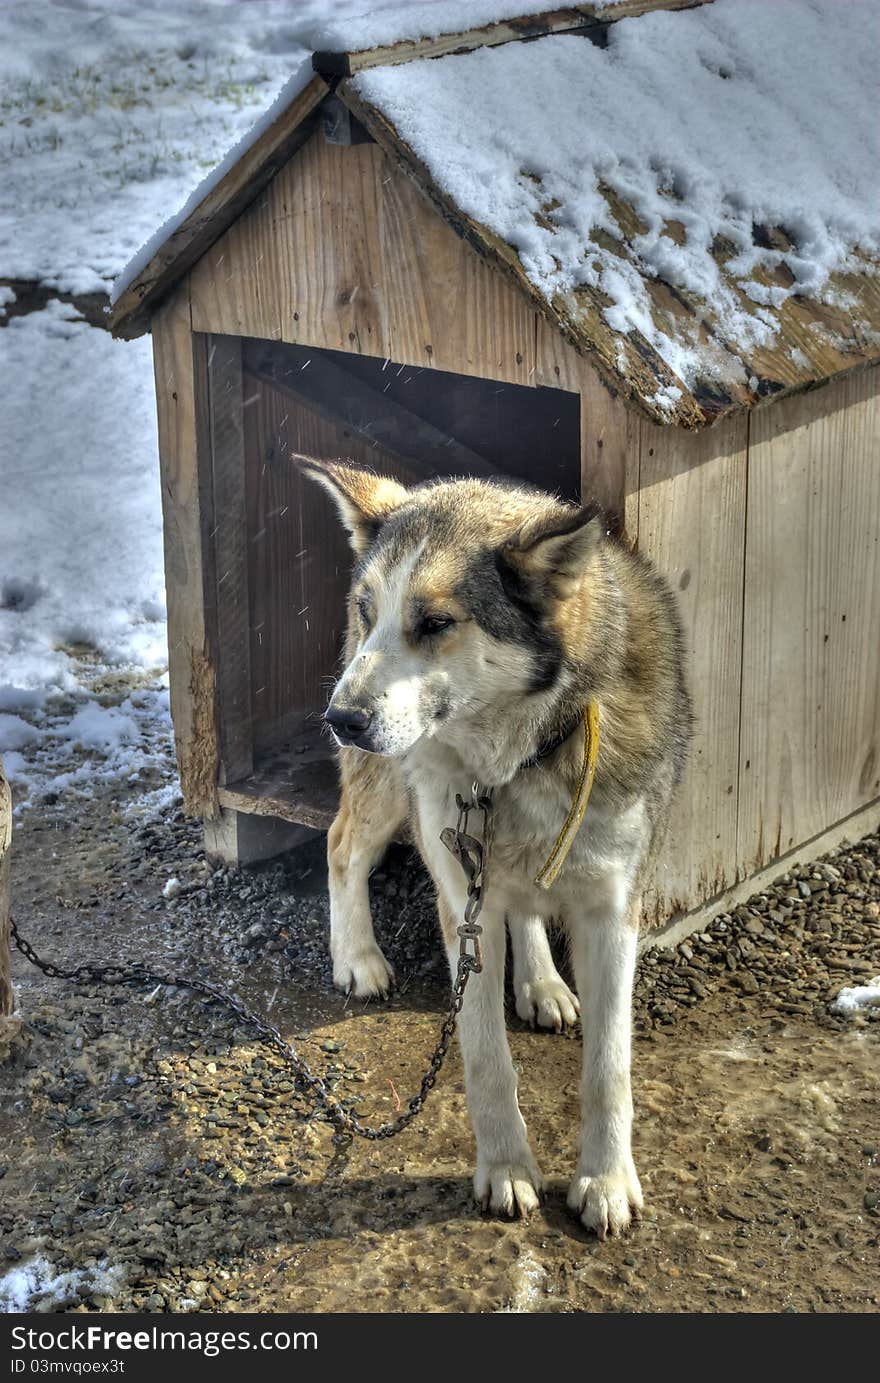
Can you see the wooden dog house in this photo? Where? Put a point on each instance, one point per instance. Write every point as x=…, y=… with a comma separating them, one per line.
x=326, y=294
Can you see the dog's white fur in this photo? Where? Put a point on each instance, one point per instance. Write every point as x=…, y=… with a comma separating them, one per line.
x=359, y=967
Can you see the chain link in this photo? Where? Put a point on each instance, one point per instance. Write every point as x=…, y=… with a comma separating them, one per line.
x=469, y=851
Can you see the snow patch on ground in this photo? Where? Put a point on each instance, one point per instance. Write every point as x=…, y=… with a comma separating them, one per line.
x=38, y=1286
x=286, y=96
x=80, y=532
x=119, y=108
x=855, y=998
x=69, y=748
x=94, y=726
x=727, y=119
x=16, y=733
x=82, y=598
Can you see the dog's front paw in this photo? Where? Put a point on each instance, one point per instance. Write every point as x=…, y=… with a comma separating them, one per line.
x=547, y=1003
x=509, y=1187
x=367, y=974
x=608, y=1203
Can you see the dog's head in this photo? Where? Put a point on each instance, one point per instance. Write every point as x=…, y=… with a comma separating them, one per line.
x=459, y=599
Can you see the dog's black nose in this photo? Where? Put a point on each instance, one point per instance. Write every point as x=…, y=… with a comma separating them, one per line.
x=348, y=723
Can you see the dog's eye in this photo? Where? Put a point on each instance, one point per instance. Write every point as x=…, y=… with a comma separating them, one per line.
x=434, y=624
x=363, y=609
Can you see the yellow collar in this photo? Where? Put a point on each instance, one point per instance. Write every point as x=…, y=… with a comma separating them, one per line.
x=549, y=871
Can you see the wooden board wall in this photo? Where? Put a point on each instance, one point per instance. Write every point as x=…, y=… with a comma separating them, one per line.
x=342, y=251
x=691, y=522
x=768, y=530
x=610, y=431
x=181, y=373
x=810, y=750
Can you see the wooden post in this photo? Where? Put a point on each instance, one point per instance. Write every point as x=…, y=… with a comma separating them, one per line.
x=181, y=370
x=9, y=1022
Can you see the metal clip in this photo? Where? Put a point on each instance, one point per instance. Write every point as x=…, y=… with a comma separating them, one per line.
x=467, y=934
x=466, y=849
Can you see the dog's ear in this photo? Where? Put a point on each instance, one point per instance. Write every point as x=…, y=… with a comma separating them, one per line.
x=555, y=550
x=364, y=500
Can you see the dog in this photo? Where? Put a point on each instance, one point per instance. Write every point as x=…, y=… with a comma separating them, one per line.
x=484, y=618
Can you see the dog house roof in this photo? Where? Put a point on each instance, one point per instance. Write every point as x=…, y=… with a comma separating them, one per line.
x=687, y=191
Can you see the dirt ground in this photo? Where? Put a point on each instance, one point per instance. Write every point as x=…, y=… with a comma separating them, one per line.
x=153, y=1158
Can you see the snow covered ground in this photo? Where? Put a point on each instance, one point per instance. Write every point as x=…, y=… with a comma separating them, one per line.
x=111, y=111
x=856, y=998
x=38, y=1286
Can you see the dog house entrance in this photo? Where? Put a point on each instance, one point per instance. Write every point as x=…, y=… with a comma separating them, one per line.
x=408, y=422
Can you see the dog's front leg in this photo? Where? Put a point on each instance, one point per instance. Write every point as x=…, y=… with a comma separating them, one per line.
x=507, y=1179
x=605, y=1192
x=372, y=808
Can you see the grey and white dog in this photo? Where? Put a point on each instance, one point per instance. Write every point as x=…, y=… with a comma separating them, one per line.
x=483, y=618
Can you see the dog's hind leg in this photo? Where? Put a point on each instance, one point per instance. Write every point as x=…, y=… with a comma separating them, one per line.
x=542, y=996
x=507, y=1179
x=372, y=809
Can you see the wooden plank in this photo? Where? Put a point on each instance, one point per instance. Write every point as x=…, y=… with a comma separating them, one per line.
x=810, y=751
x=242, y=838
x=627, y=363
x=375, y=272
x=180, y=365
x=610, y=436
x=218, y=209
x=297, y=782
x=229, y=292
x=692, y=503
x=581, y=17
x=610, y=432
x=230, y=540
x=304, y=265
x=446, y=307
x=345, y=400
x=862, y=823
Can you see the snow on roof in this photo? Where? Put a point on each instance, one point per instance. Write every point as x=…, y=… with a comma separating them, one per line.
x=684, y=190
x=399, y=21
x=695, y=204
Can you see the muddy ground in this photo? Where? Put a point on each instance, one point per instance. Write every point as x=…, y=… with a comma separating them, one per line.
x=156, y=1155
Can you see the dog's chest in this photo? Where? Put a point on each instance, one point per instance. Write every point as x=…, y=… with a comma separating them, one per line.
x=526, y=819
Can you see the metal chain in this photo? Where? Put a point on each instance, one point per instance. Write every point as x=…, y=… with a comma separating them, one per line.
x=472, y=855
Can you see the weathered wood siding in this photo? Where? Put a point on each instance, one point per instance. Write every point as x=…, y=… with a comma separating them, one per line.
x=181, y=372
x=691, y=522
x=342, y=251
x=810, y=751
x=768, y=529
